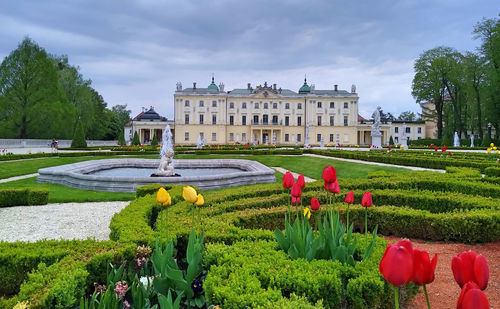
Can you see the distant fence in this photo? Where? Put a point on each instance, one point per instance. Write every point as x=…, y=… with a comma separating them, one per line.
x=43, y=143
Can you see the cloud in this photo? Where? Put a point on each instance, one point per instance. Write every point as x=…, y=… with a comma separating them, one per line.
x=135, y=51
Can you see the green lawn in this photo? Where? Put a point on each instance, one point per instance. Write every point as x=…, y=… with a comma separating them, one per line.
x=63, y=194
x=30, y=166
x=309, y=166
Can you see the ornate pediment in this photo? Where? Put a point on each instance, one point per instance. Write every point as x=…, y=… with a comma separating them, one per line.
x=266, y=92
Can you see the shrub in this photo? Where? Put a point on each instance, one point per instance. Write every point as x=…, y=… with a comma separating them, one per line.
x=21, y=197
x=121, y=140
x=135, y=140
x=154, y=142
x=79, y=137
x=391, y=141
x=492, y=171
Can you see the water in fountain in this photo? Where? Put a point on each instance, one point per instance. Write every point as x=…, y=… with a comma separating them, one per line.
x=166, y=166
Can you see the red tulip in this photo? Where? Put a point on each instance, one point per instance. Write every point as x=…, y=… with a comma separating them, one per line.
x=397, y=263
x=423, y=267
x=332, y=187
x=366, y=201
x=288, y=180
x=296, y=193
x=314, y=204
x=470, y=266
x=301, y=181
x=349, y=198
x=472, y=297
x=295, y=200
x=431, y=146
x=436, y=148
x=443, y=149
x=329, y=174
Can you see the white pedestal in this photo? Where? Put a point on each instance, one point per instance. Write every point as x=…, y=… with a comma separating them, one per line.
x=376, y=142
x=404, y=143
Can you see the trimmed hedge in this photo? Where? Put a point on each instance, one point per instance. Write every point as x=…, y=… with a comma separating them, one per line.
x=20, y=197
x=252, y=274
x=492, y=171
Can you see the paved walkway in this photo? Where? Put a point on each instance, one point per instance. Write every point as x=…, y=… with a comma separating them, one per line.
x=18, y=178
x=295, y=175
x=58, y=221
x=413, y=168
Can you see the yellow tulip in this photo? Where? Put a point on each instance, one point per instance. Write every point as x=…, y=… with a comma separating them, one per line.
x=200, y=200
x=402, y=147
x=496, y=151
x=162, y=196
x=168, y=202
x=489, y=150
x=495, y=148
x=189, y=194
x=307, y=213
x=492, y=145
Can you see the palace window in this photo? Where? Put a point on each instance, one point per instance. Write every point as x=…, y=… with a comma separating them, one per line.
x=332, y=104
x=214, y=137
x=202, y=103
x=299, y=137
x=396, y=139
x=299, y=121
x=231, y=120
x=396, y=129
x=231, y=105
x=265, y=119
x=275, y=105
x=214, y=119
x=287, y=121
x=319, y=120
x=346, y=105
x=186, y=119
x=231, y=137
x=408, y=129
x=346, y=121
x=319, y=104
x=256, y=119
x=275, y=120
x=266, y=106
x=318, y=137
x=331, y=138
x=186, y=136
x=332, y=122
x=186, y=103
x=299, y=106
x=286, y=137
x=243, y=105
x=256, y=106
x=201, y=118
x=244, y=120
x=419, y=130
x=287, y=105
x=214, y=103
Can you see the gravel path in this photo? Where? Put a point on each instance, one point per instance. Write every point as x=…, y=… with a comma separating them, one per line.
x=18, y=177
x=56, y=221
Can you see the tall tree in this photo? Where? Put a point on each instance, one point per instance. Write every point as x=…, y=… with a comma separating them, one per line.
x=474, y=73
x=407, y=116
x=29, y=92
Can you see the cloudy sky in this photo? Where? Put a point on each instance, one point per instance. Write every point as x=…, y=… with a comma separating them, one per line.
x=135, y=51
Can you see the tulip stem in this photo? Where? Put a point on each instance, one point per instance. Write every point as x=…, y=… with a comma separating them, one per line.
x=366, y=223
x=167, y=222
x=347, y=211
x=396, y=297
x=193, y=221
x=427, y=297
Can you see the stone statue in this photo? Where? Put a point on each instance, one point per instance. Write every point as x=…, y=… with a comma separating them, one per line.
x=166, y=166
x=472, y=140
x=376, y=134
x=404, y=138
x=353, y=88
x=376, y=122
x=274, y=138
x=306, y=139
x=201, y=142
x=456, y=140
x=322, y=142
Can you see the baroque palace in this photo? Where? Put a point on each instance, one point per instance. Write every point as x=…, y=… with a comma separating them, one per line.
x=266, y=114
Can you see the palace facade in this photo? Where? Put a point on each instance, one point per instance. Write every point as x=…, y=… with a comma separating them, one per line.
x=268, y=114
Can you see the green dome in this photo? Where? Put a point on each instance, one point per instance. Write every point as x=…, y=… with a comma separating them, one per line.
x=213, y=86
x=305, y=88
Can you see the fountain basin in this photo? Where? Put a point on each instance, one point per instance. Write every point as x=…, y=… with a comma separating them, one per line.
x=86, y=175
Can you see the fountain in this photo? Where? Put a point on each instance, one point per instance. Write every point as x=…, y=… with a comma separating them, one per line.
x=472, y=141
x=125, y=175
x=166, y=166
x=456, y=140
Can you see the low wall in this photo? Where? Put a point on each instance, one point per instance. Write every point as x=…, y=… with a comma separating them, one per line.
x=43, y=143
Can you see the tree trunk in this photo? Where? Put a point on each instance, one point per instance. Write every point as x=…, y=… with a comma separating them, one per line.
x=439, y=114
x=478, y=105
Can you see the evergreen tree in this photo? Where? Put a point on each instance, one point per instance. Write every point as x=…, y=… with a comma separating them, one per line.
x=79, y=137
x=154, y=142
x=391, y=141
x=121, y=140
x=135, y=140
